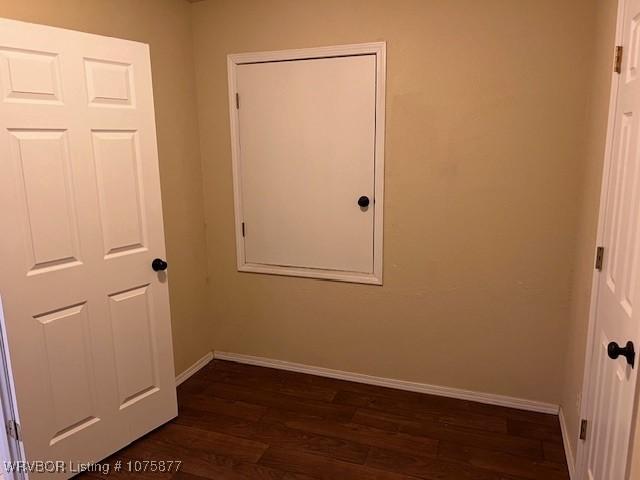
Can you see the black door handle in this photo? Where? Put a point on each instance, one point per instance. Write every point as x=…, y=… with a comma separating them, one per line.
x=363, y=201
x=614, y=351
x=159, y=265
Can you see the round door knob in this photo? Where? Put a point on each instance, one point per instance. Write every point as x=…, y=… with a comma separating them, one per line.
x=159, y=265
x=363, y=201
x=614, y=351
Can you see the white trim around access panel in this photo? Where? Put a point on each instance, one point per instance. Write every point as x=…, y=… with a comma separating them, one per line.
x=480, y=397
x=379, y=50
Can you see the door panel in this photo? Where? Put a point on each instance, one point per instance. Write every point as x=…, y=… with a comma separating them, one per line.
x=43, y=170
x=66, y=341
x=87, y=319
x=119, y=190
x=307, y=141
x=109, y=83
x=130, y=320
x=29, y=75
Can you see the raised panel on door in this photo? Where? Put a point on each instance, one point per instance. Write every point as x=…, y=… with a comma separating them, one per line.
x=117, y=157
x=109, y=83
x=131, y=320
x=621, y=227
x=42, y=163
x=307, y=150
x=66, y=339
x=30, y=76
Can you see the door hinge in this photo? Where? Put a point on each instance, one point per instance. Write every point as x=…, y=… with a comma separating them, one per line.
x=583, y=429
x=617, y=63
x=243, y=229
x=237, y=101
x=13, y=430
x=599, y=258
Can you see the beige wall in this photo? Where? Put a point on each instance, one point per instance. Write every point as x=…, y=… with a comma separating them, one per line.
x=591, y=175
x=166, y=26
x=485, y=118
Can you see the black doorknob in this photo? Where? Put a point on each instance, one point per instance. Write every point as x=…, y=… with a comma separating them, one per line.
x=159, y=265
x=363, y=201
x=614, y=351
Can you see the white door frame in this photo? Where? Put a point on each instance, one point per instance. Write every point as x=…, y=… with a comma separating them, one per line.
x=379, y=50
x=586, y=402
x=10, y=448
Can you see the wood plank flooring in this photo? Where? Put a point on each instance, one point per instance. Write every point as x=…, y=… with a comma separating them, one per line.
x=244, y=422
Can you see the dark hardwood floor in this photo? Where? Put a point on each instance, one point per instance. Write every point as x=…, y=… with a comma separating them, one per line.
x=244, y=422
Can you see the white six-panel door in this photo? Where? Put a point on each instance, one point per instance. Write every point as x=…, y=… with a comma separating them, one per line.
x=86, y=318
x=613, y=383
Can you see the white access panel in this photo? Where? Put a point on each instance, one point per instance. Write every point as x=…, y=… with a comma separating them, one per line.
x=308, y=135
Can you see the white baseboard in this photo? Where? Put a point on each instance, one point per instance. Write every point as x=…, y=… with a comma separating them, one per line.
x=193, y=369
x=567, y=445
x=489, y=398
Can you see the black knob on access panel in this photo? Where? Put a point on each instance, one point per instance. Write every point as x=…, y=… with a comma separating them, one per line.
x=614, y=351
x=159, y=265
x=363, y=201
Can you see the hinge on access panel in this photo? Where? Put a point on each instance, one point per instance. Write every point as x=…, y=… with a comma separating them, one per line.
x=13, y=430
x=599, y=258
x=243, y=229
x=617, y=63
x=237, y=101
x=583, y=429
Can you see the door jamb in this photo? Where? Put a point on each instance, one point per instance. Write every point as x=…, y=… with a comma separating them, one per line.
x=586, y=402
x=11, y=449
